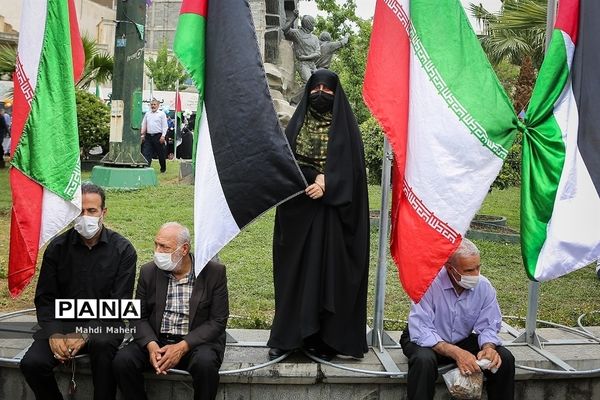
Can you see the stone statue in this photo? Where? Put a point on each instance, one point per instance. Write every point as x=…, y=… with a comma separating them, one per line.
x=307, y=48
x=328, y=48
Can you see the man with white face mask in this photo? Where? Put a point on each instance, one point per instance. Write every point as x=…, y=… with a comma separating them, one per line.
x=88, y=261
x=457, y=321
x=183, y=319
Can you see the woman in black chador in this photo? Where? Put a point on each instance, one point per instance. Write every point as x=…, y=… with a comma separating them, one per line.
x=321, y=238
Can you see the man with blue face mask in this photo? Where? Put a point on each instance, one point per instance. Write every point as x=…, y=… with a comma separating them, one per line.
x=88, y=261
x=183, y=319
x=457, y=321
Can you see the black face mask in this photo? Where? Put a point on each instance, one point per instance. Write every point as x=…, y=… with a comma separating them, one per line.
x=321, y=102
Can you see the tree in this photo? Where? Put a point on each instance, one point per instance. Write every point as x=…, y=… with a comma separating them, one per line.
x=516, y=34
x=98, y=64
x=165, y=71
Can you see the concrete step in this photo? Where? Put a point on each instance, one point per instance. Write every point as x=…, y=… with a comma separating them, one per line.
x=298, y=377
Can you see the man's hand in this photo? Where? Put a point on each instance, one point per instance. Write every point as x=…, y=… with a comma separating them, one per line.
x=59, y=347
x=489, y=352
x=74, y=342
x=153, y=351
x=171, y=355
x=465, y=361
x=162, y=140
x=296, y=13
x=143, y=137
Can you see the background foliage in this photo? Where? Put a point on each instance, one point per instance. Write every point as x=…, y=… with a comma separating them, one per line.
x=93, y=122
x=165, y=70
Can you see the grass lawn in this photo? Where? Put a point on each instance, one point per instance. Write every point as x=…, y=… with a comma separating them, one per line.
x=138, y=214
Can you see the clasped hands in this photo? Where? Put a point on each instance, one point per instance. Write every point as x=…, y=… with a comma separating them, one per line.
x=317, y=189
x=65, y=347
x=164, y=358
x=467, y=362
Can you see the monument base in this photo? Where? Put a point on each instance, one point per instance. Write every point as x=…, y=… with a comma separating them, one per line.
x=124, y=178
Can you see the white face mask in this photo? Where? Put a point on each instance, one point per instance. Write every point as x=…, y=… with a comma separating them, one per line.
x=164, y=261
x=87, y=226
x=467, y=281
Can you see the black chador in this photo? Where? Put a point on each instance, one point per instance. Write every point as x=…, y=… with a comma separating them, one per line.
x=321, y=246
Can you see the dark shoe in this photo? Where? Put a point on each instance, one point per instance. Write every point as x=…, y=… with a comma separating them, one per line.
x=162, y=171
x=274, y=353
x=325, y=355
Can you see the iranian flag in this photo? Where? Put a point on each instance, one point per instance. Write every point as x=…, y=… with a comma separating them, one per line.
x=243, y=163
x=449, y=122
x=45, y=175
x=560, y=201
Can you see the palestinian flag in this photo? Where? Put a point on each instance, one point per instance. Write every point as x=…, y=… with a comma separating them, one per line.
x=560, y=189
x=448, y=120
x=244, y=165
x=45, y=175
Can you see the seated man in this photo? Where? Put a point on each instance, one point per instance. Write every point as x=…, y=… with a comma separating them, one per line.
x=457, y=320
x=87, y=261
x=183, y=319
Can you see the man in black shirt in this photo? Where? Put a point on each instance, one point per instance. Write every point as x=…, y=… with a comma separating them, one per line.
x=87, y=261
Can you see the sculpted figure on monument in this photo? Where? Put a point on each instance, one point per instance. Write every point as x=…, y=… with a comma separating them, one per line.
x=328, y=48
x=307, y=48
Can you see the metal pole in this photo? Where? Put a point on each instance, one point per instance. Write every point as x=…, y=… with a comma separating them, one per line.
x=534, y=287
x=176, y=120
x=377, y=333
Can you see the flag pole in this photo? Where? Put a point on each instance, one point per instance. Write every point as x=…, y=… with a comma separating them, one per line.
x=176, y=120
x=534, y=286
x=377, y=338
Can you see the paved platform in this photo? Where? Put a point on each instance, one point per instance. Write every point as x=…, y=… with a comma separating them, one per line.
x=299, y=377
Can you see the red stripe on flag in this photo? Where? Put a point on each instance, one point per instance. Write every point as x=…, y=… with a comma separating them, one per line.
x=76, y=43
x=25, y=225
x=177, y=103
x=418, y=250
x=195, y=7
x=27, y=195
x=568, y=18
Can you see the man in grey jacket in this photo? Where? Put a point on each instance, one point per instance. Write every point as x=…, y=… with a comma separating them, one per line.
x=183, y=319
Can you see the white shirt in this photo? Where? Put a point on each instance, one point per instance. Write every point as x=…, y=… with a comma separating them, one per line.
x=155, y=122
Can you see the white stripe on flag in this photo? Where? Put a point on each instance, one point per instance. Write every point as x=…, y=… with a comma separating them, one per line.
x=31, y=37
x=447, y=167
x=214, y=225
x=57, y=213
x=573, y=232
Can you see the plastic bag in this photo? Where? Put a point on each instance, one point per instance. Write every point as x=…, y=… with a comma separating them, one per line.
x=464, y=387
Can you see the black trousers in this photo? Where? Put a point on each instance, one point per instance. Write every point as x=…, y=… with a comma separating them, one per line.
x=151, y=146
x=423, y=363
x=38, y=363
x=202, y=362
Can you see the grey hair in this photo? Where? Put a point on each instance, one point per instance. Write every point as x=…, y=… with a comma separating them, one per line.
x=466, y=249
x=183, y=236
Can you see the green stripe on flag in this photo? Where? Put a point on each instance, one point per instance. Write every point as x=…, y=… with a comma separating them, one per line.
x=48, y=151
x=189, y=47
x=543, y=153
x=452, y=56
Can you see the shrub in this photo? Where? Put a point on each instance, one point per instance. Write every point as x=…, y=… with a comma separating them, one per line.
x=510, y=174
x=93, y=122
x=372, y=135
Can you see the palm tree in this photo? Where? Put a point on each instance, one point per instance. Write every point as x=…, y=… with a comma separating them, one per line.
x=98, y=64
x=516, y=34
